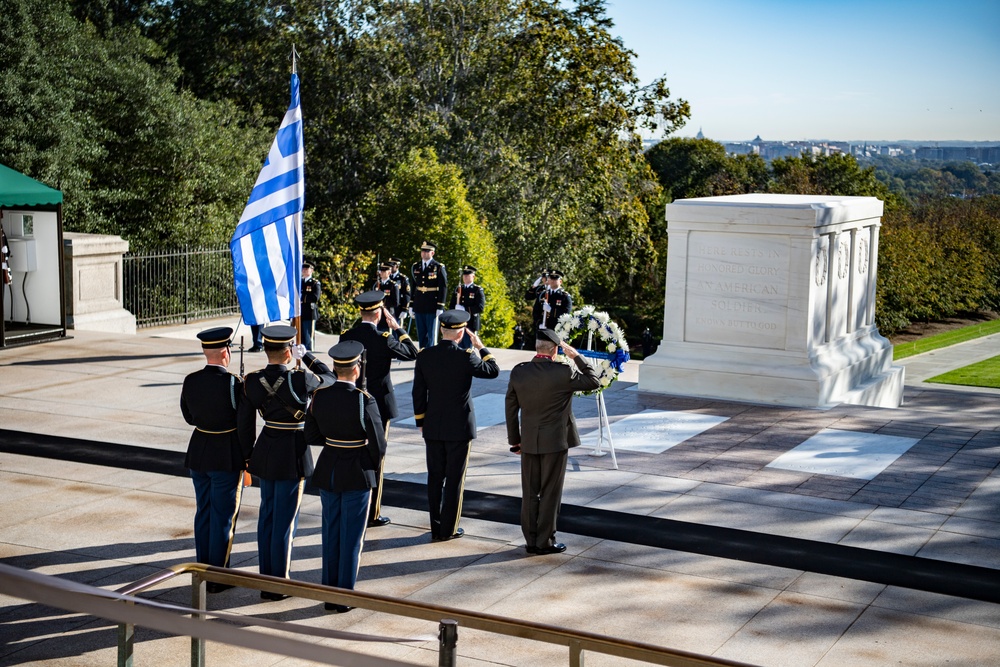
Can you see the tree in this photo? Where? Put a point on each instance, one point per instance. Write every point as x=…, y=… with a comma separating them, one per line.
x=100, y=117
x=836, y=174
x=427, y=200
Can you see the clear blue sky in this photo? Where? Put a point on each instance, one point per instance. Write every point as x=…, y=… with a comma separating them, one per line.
x=813, y=69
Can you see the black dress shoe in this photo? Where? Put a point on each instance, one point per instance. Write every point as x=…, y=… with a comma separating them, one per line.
x=255, y=349
x=556, y=548
x=457, y=534
x=379, y=521
x=338, y=608
x=530, y=549
x=272, y=597
x=214, y=587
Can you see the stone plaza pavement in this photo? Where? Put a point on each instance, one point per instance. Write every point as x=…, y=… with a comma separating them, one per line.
x=921, y=480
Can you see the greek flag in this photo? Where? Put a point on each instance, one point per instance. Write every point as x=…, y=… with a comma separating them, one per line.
x=267, y=244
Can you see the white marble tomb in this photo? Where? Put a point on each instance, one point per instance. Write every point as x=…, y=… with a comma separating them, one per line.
x=771, y=299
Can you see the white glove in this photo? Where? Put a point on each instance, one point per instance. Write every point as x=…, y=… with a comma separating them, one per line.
x=298, y=351
x=538, y=281
x=547, y=308
x=458, y=307
x=409, y=311
x=439, y=312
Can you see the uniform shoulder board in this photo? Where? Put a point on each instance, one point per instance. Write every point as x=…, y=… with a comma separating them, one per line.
x=469, y=351
x=365, y=393
x=385, y=334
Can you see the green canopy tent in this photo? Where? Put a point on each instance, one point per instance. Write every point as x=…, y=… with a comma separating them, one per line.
x=31, y=214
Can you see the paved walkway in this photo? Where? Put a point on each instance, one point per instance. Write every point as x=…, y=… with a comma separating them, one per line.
x=934, y=497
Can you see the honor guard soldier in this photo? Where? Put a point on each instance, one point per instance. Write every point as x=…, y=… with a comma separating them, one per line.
x=552, y=303
x=443, y=409
x=540, y=285
x=345, y=421
x=311, y=291
x=389, y=288
x=430, y=293
x=209, y=401
x=280, y=457
x=470, y=297
x=404, y=287
x=382, y=347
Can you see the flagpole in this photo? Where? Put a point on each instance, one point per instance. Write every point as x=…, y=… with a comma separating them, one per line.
x=297, y=320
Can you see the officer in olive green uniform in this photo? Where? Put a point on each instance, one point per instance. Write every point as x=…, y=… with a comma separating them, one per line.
x=443, y=409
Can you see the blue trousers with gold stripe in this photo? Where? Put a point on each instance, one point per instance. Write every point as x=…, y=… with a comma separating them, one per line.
x=446, y=464
x=345, y=518
x=217, y=496
x=279, y=516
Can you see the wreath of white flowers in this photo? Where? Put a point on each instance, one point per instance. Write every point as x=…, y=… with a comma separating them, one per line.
x=598, y=325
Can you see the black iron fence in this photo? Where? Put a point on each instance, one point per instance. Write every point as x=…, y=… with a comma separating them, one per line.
x=179, y=285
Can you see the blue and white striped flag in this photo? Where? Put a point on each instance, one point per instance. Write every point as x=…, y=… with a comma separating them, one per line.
x=267, y=244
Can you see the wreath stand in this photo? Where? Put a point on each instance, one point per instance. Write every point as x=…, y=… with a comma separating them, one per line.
x=602, y=420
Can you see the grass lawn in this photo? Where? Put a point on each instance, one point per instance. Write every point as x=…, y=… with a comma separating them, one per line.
x=981, y=374
x=945, y=339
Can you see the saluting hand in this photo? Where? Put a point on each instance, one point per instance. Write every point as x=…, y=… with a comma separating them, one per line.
x=389, y=319
x=474, y=339
x=569, y=351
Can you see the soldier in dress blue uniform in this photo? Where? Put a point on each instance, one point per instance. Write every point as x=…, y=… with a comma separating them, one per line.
x=280, y=457
x=389, y=288
x=209, y=401
x=443, y=409
x=470, y=297
x=430, y=293
x=311, y=292
x=345, y=421
x=552, y=303
x=404, y=287
x=382, y=347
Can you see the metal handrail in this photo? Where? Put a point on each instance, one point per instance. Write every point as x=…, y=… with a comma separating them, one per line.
x=576, y=641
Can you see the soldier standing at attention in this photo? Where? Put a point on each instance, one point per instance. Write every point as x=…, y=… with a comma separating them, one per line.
x=553, y=303
x=209, y=401
x=470, y=297
x=280, y=457
x=388, y=287
x=443, y=410
x=311, y=291
x=345, y=421
x=404, y=287
x=430, y=293
x=382, y=348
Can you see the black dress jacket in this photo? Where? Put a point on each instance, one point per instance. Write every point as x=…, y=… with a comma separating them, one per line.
x=210, y=398
x=430, y=287
x=280, y=452
x=442, y=380
x=382, y=348
x=346, y=422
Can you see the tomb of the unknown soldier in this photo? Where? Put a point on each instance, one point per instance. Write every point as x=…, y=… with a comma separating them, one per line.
x=771, y=299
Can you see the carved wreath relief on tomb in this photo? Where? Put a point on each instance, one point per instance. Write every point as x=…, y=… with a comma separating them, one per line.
x=822, y=264
x=862, y=256
x=843, y=259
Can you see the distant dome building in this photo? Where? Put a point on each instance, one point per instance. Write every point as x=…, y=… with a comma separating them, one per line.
x=699, y=135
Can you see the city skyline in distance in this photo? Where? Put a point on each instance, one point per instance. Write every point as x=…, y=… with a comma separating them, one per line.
x=879, y=71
